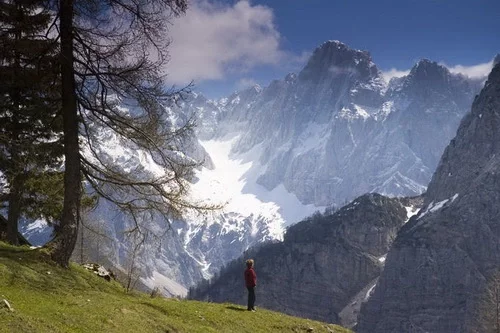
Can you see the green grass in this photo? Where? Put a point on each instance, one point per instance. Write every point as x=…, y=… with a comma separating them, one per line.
x=46, y=298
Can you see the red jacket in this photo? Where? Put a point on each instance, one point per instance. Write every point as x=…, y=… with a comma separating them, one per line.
x=250, y=278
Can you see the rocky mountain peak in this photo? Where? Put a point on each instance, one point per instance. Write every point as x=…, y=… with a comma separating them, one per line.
x=427, y=70
x=438, y=85
x=337, y=59
x=496, y=60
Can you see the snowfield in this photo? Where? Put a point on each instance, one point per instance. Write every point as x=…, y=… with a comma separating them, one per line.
x=234, y=181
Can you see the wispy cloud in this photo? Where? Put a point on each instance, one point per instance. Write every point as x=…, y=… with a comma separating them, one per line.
x=475, y=71
x=215, y=39
x=393, y=72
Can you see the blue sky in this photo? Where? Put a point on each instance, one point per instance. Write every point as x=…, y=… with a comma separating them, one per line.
x=227, y=45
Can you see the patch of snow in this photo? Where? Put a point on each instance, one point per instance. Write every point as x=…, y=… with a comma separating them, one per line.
x=350, y=114
x=369, y=292
x=411, y=211
x=386, y=109
x=233, y=180
x=435, y=207
x=361, y=112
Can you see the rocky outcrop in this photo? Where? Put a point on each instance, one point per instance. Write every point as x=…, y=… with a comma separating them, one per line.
x=322, y=263
x=442, y=259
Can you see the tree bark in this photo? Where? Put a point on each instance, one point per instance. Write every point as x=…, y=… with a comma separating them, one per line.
x=66, y=233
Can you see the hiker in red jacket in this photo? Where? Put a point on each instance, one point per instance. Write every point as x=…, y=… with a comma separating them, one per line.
x=251, y=282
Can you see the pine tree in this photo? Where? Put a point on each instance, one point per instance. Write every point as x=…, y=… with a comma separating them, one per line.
x=30, y=121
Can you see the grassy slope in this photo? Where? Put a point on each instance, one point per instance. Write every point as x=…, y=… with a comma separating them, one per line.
x=46, y=298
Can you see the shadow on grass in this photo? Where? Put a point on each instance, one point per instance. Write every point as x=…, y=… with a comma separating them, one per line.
x=235, y=308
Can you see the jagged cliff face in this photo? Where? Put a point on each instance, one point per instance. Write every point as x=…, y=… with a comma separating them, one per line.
x=322, y=263
x=442, y=258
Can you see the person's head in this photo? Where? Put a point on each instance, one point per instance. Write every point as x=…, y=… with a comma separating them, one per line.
x=249, y=263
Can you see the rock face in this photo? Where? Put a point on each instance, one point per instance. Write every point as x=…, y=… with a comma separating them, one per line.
x=442, y=259
x=322, y=263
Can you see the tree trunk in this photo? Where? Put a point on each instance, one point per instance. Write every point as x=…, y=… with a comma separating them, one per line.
x=66, y=233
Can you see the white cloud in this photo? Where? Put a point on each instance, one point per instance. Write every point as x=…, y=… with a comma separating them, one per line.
x=475, y=71
x=393, y=72
x=213, y=39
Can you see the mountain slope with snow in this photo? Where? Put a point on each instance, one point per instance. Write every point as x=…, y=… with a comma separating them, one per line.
x=337, y=130
x=277, y=154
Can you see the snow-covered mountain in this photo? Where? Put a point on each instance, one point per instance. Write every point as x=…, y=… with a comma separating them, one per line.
x=319, y=138
x=337, y=130
x=274, y=155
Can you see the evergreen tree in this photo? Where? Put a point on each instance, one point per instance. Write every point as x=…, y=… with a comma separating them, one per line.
x=30, y=121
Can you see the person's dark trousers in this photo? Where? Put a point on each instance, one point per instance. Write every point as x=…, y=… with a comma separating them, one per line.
x=251, y=298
